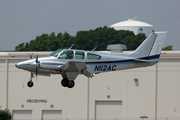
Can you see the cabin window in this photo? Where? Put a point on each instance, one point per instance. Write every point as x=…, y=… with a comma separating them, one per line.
x=56, y=53
x=79, y=55
x=67, y=54
x=93, y=56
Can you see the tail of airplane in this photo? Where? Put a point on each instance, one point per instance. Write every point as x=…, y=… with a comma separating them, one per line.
x=150, y=49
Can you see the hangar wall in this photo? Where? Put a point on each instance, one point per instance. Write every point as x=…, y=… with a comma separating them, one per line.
x=128, y=94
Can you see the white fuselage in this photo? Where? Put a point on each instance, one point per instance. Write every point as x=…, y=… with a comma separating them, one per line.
x=107, y=62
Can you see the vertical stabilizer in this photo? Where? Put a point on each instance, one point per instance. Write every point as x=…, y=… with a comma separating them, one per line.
x=151, y=46
x=144, y=49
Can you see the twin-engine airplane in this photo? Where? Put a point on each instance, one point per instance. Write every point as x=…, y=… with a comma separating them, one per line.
x=70, y=62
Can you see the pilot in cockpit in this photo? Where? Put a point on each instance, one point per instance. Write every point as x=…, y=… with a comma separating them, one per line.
x=69, y=55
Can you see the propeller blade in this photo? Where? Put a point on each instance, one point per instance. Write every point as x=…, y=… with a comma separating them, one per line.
x=37, y=58
x=38, y=65
x=30, y=56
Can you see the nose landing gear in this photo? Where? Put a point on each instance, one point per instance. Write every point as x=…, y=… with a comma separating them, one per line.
x=30, y=83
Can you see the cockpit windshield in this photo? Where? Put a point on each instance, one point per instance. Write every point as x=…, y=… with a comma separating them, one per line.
x=56, y=53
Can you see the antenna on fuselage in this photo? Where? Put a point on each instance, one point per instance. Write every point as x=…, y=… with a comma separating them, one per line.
x=93, y=49
x=71, y=46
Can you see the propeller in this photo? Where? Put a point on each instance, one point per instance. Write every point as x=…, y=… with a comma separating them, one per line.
x=37, y=58
x=30, y=56
x=31, y=76
x=37, y=63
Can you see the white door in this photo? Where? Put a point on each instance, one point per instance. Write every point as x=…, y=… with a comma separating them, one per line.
x=22, y=114
x=51, y=114
x=108, y=110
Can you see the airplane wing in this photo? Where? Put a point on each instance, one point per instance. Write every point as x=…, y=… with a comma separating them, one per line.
x=73, y=66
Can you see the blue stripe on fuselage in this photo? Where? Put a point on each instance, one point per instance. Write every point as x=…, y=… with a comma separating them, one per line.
x=128, y=60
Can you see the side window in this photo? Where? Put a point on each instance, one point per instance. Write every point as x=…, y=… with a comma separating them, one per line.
x=93, y=56
x=67, y=54
x=79, y=55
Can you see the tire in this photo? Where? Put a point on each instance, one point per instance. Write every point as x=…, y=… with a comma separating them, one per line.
x=30, y=84
x=71, y=84
x=64, y=82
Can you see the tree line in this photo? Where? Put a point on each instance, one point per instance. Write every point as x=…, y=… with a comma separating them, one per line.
x=86, y=40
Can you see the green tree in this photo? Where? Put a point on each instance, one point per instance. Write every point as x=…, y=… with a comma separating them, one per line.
x=20, y=47
x=86, y=40
x=51, y=42
x=5, y=114
x=66, y=41
x=169, y=47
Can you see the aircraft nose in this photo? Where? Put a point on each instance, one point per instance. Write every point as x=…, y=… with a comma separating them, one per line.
x=18, y=65
x=21, y=65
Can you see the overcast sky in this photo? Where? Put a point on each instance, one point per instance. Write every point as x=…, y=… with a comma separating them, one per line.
x=23, y=20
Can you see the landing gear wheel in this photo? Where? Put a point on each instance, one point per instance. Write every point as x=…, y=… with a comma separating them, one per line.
x=64, y=82
x=70, y=84
x=30, y=84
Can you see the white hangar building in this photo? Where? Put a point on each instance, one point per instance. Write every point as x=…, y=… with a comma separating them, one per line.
x=149, y=93
x=134, y=25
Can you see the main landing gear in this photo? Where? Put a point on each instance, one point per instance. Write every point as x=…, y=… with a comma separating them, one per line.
x=67, y=83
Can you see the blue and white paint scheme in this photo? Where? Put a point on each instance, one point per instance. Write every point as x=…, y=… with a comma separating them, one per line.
x=70, y=62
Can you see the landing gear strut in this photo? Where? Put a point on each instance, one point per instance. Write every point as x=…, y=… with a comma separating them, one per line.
x=30, y=83
x=67, y=83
